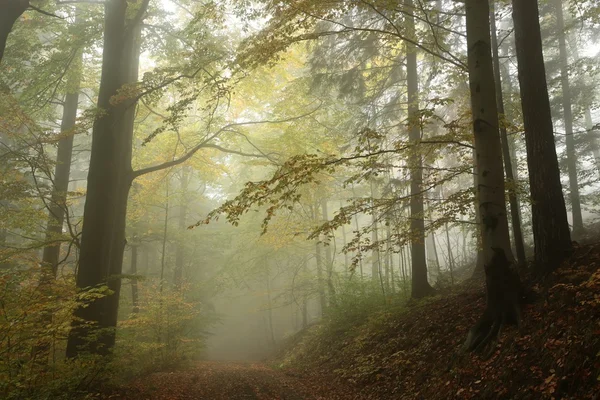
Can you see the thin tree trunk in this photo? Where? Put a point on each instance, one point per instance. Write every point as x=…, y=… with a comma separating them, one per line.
x=345, y=242
x=328, y=258
x=450, y=256
x=568, y=122
x=420, y=284
x=62, y=172
x=502, y=283
x=163, y=254
x=319, y=265
x=305, y=297
x=375, y=264
x=508, y=169
x=183, y=206
x=134, y=281
x=271, y=337
x=551, y=234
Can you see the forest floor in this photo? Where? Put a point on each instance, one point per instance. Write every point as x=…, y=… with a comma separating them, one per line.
x=414, y=351
x=213, y=380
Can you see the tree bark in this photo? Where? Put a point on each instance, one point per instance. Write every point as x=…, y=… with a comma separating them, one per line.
x=568, y=122
x=134, y=282
x=508, y=168
x=376, y=256
x=501, y=282
x=420, y=285
x=551, y=234
x=10, y=11
x=62, y=172
x=109, y=180
x=328, y=258
x=183, y=206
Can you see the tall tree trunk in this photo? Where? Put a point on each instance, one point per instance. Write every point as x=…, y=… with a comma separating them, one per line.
x=328, y=258
x=345, y=242
x=376, y=256
x=271, y=332
x=590, y=128
x=568, y=121
x=62, y=171
x=420, y=285
x=450, y=256
x=502, y=282
x=508, y=168
x=134, y=282
x=551, y=234
x=109, y=180
x=319, y=265
x=480, y=259
x=183, y=206
x=305, y=296
x=360, y=263
x=10, y=11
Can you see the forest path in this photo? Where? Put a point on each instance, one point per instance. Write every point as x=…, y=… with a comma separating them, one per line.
x=212, y=380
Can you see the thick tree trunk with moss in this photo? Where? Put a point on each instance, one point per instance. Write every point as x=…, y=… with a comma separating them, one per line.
x=508, y=168
x=502, y=282
x=109, y=179
x=568, y=122
x=420, y=284
x=551, y=234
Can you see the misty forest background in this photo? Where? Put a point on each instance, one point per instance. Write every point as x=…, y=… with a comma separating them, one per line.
x=196, y=179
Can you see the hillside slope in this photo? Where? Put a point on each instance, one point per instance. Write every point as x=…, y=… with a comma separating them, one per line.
x=414, y=352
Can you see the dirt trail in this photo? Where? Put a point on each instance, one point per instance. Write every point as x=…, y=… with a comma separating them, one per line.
x=231, y=381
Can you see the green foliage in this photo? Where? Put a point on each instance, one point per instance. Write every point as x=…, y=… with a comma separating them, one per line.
x=35, y=319
x=170, y=327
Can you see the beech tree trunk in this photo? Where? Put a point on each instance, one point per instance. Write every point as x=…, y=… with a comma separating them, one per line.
x=568, y=122
x=109, y=180
x=502, y=283
x=508, y=168
x=551, y=234
x=420, y=285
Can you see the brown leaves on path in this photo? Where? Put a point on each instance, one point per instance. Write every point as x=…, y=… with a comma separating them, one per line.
x=229, y=381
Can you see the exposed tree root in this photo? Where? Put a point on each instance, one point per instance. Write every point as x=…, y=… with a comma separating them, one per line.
x=503, y=305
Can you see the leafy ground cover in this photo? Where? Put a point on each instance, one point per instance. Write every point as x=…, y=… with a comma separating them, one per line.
x=416, y=353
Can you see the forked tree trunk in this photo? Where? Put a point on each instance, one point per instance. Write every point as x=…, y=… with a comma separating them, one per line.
x=508, y=168
x=109, y=180
x=502, y=283
x=551, y=234
x=420, y=285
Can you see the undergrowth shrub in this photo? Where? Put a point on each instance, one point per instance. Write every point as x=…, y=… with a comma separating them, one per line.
x=35, y=319
x=169, y=328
